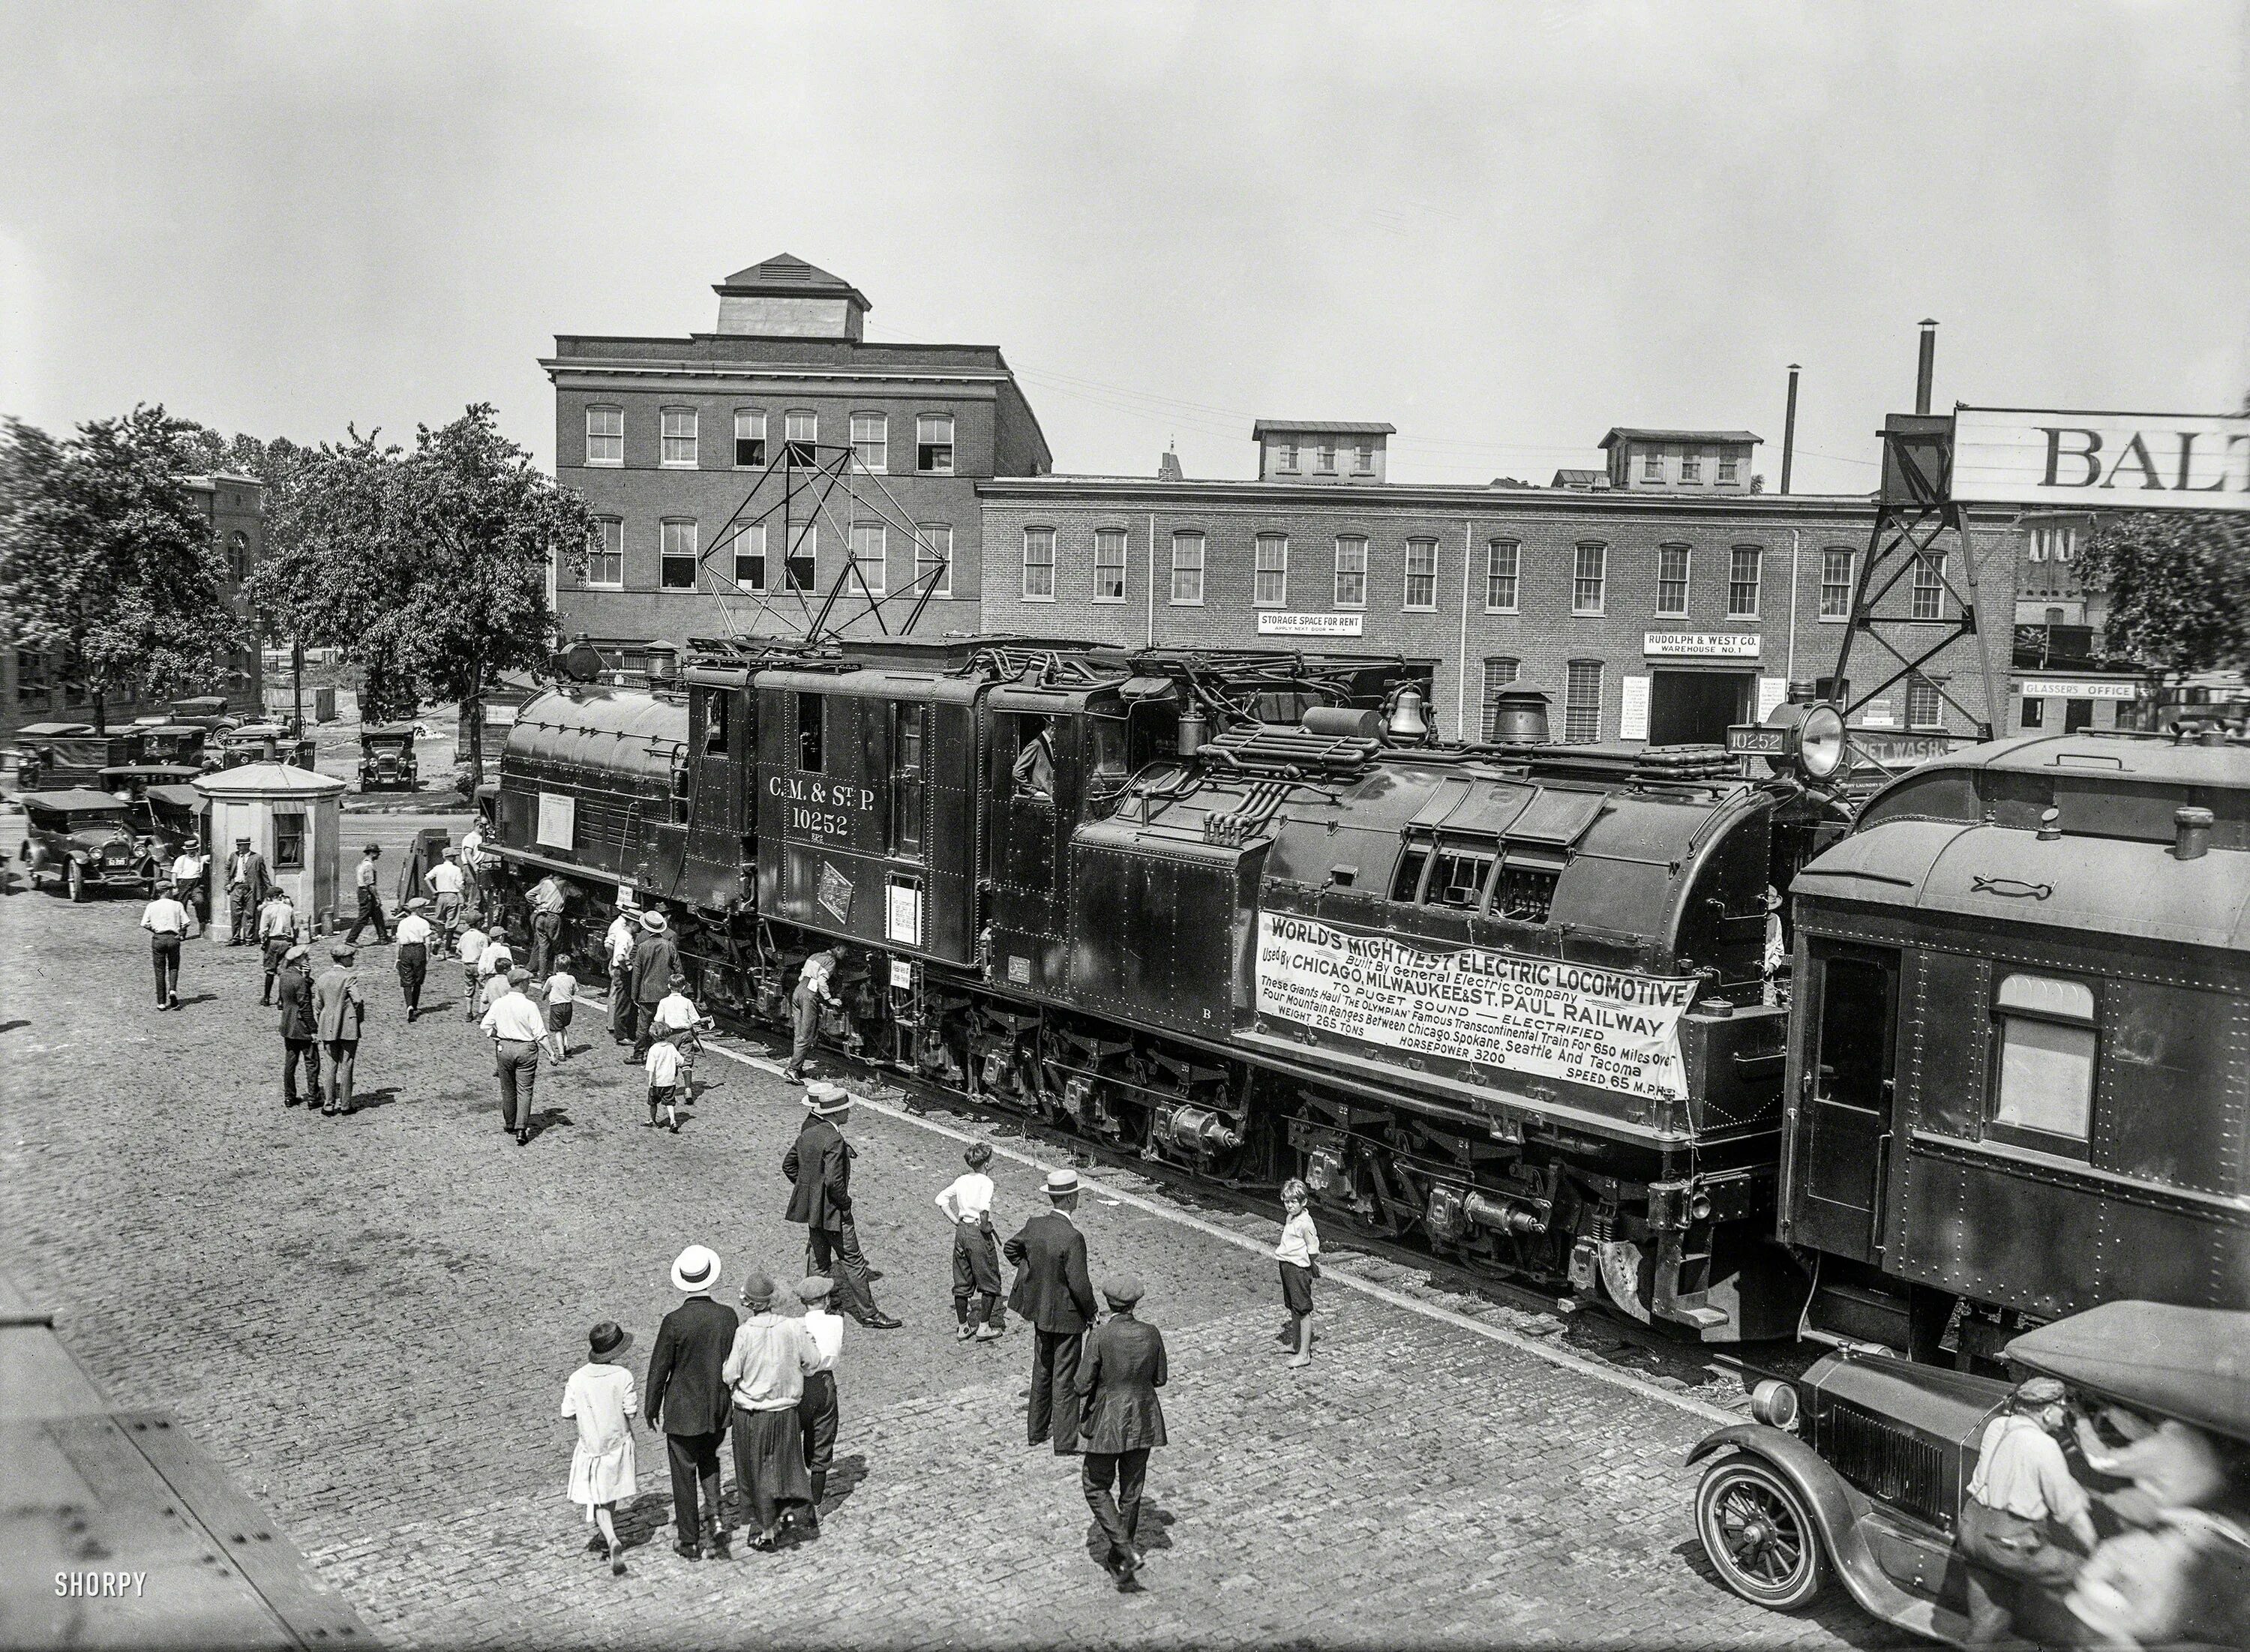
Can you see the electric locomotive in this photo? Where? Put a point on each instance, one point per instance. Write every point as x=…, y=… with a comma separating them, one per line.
x=1233, y=913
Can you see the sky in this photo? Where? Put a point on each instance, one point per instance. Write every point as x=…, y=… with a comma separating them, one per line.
x=1501, y=227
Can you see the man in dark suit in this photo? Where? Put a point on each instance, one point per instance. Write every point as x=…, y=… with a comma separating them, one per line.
x=1118, y=1376
x=655, y=961
x=689, y=1399
x=1053, y=1293
x=820, y=1162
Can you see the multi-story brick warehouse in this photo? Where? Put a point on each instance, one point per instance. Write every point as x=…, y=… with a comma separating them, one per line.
x=1644, y=615
x=716, y=464
x=34, y=688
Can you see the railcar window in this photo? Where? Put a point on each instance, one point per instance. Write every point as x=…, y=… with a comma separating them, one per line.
x=1459, y=878
x=907, y=723
x=808, y=720
x=2045, y=1083
x=714, y=724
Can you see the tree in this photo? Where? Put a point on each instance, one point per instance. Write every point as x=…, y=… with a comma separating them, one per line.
x=2179, y=585
x=429, y=568
x=106, y=563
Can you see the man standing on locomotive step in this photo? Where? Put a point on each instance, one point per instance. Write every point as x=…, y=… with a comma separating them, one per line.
x=2021, y=1499
x=819, y=1163
x=546, y=901
x=1054, y=1293
x=655, y=961
x=617, y=953
x=812, y=991
x=248, y=883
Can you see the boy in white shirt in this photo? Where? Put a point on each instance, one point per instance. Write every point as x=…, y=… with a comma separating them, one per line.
x=968, y=1201
x=562, y=1000
x=677, y=1019
x=664, y=1070
x=816, y=1412
x=1299, y=1254
x=472, y=948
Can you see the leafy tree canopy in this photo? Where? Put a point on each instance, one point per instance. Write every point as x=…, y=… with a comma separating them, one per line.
x=2179, y=585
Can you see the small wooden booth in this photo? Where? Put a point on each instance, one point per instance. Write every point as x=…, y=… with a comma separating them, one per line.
x=292, y=816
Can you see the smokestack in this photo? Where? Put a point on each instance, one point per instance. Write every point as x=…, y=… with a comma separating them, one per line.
x=1927, y=368
x=1789, y=429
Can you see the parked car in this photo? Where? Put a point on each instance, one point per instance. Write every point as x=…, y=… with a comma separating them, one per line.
x=1860, y=1466
x=166, y=819
x=386, y=759
x=250, y=743
x=80, y=841
x=166, y=741
x=59, y=756
x=132, y=780
x=209, y=709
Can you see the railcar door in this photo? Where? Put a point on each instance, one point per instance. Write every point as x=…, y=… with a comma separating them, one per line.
x=1843, y=1129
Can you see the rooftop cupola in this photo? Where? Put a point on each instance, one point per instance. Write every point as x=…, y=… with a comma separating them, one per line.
x=787, y=298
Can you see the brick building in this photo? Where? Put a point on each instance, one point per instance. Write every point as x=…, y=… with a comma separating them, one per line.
x=716, y=464
x=32, y=686
x=1646, y=613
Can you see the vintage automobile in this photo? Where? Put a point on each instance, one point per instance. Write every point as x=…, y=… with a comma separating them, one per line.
x=386, y=759
x=253, y=742
x=131, y=781
x=80, y=841
x=167, y=818
x=1860, y=1466
x=57, y=756
x=184, y=744
x=210, y=711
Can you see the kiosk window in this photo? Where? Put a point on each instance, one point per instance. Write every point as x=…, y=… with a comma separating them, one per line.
x=288, y=842
x=2044, y=1082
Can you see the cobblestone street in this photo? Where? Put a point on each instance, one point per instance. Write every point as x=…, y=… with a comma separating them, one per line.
x=369, y=1322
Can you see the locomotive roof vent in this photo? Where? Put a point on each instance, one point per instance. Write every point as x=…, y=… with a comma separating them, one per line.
x=2192, y=833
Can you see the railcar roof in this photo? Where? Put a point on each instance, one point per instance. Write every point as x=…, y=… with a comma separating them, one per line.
x=2132, y=757
x=2189, y=1363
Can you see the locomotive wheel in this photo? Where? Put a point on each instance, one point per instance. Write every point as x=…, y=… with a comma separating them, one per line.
x=1757, y=1534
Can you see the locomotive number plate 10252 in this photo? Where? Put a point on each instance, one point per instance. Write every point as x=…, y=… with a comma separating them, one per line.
x=1758, y=740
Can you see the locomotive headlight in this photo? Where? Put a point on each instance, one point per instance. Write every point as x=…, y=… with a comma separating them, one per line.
x=1821, y=742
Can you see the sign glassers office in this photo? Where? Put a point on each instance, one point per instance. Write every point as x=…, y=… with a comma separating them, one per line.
x=1605, y=1028
x=2059, y=688
x=1274, y=624
x=1701, y=644
x=2123, y=461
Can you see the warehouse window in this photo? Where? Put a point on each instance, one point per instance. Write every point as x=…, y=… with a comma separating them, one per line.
x=1327, y=452
x=1836, y=584
x=804, y=428
x=934, y=558
x=934, y=443
x=1925, y=708
x=1928, y=600
x=1651, y=466
x=1691, y=467
x=2044, y=1086
x=870, y=556
x=1743, y=567
x=680, y=437
x=1039, y=564
x=1109, y=564
x=1270, y=576
x=2034, y=711
x=749, y=437
x=1362, y=461
x=1582, y=702
x=801, y=566
x=1187, y=569
x=1590, y=578
x=677, y=549
x=810, y=730
x=906, y=779
x=1672, y=581
x=1729, y=473
x=1285, y=454
x=1421, y=574
x=871, y=442
x=1498, y=672
x=1503, y=560
x=605, y=435
x=1351, y=572
x=605, y=555
x=750, y=557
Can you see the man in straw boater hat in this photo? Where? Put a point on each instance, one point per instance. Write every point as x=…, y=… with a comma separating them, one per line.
x=767, y=1366
x=688, y=1398
x=819, y=1163
x=1118, y=1376
x=655, y=962
x=1055, y=1296
x=2021, y=1499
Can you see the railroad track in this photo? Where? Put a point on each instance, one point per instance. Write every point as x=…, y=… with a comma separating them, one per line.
x=1595, y=1329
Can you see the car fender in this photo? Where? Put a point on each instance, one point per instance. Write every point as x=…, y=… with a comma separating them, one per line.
x=1837, y=1507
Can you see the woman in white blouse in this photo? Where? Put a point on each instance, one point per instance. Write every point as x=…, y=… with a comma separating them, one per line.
x=600, y=1396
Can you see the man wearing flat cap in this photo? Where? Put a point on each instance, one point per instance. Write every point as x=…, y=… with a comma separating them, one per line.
x=340, y=1003
x=2022, y=1501
x=300, y=1027
x=816, y=1413
x=819, y=1163
x=1053, y=1293
x=1118, y=1376
x=688, y=1398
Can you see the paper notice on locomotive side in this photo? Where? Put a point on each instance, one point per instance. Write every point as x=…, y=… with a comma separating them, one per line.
x=1606, y=1028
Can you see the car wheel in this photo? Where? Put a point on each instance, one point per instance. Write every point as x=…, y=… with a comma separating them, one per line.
x=1759, y=1533
x=77, y=875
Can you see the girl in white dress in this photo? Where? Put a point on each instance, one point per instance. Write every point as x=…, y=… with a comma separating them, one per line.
x=600, y=1396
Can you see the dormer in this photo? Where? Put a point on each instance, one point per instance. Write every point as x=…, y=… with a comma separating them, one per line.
x=1680, y=461
x=787, y=298
x=1311, y=451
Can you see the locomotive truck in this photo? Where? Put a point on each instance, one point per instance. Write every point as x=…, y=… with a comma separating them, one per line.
x=1520, y=1004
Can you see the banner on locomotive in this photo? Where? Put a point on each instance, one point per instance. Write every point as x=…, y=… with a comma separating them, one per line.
x=1609, y=1029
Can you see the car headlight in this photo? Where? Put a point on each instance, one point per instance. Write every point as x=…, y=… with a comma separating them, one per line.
x=1774, y=1403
